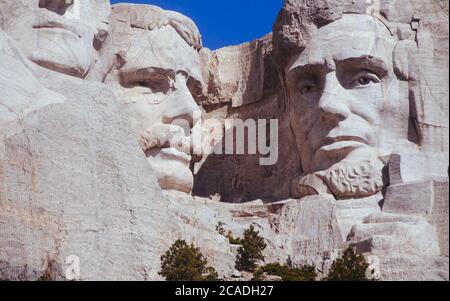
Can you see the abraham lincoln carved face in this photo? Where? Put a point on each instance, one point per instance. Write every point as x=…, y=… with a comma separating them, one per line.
x=344, y=91
x=345, y=105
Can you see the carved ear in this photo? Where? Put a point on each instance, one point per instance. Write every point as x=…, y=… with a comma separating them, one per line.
x=403, y=56
x=406, y=69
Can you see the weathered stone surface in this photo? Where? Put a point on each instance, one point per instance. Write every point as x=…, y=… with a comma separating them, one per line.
x=73, y=182
x=395, y=234
x=414, y=268
x=335, y=95
x=412, y=198
x=312, y=228
x=439, y=215
x=240, y=74
x=353, y=211
x=87, y=167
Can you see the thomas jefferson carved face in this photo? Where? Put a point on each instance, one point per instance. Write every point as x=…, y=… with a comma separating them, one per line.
x=61, y=35
x=157, y=73
x=21, y=92
x=344, y=95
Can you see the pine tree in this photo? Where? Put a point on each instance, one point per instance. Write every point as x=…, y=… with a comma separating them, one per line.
x=252, y=246
x=286, y=272
x=183, y=262
x=350, y=267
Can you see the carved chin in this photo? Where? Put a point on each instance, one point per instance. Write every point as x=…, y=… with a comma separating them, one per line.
x=348, y=179
x=354, y=179
x=172, y=173
x=177, y=182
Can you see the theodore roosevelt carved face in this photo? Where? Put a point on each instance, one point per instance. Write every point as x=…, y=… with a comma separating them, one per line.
x=157, y=75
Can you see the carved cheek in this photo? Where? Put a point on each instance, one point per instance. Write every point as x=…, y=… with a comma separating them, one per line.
x=296, y=103
x=303, y=111
x=368, y=103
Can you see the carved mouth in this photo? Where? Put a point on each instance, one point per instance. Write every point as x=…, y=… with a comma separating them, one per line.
x=342, y=143
x=166, y=141
x=331, y=140
x=169, y=153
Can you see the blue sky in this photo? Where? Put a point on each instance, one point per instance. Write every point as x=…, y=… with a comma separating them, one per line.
x=224, y=22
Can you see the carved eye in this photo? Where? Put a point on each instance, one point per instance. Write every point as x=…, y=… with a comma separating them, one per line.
x=183, y=73
x=364, y=78
x=142, y=84
x=156, y=85
x=307, y=87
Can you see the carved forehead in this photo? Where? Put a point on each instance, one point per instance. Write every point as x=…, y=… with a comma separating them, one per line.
x=160, y=48
x=352, y=23
x=299, y=19
x=148, y=37
x=149, y=17
x=352, y=36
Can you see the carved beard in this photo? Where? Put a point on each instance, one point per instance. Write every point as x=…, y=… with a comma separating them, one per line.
x=354, y=179
x=346, y=179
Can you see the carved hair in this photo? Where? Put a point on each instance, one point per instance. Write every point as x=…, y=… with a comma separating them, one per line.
x=149, y=17
x=299, y=18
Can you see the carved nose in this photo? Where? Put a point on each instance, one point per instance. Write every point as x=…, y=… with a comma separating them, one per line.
x=182, y=108
x=334, y=100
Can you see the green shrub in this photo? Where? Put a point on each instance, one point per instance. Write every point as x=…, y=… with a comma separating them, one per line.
x=183, y=262
x=45, y=277
x=233, y=240
x=252, y=246
x=350, y=267
x=287, y=273
x=258, y=275
x=220, y=229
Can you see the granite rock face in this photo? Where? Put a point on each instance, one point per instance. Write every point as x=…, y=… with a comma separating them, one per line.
x=95, y=170
x=73, y=182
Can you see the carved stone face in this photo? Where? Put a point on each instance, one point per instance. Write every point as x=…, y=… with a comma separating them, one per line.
x=344, y=97
x=21, y=92
x=61, y=35
x=157, y=75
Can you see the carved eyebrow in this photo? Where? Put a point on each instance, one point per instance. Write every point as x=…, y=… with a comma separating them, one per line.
x=310, y=69
x=369, y=62
x=129, y=77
